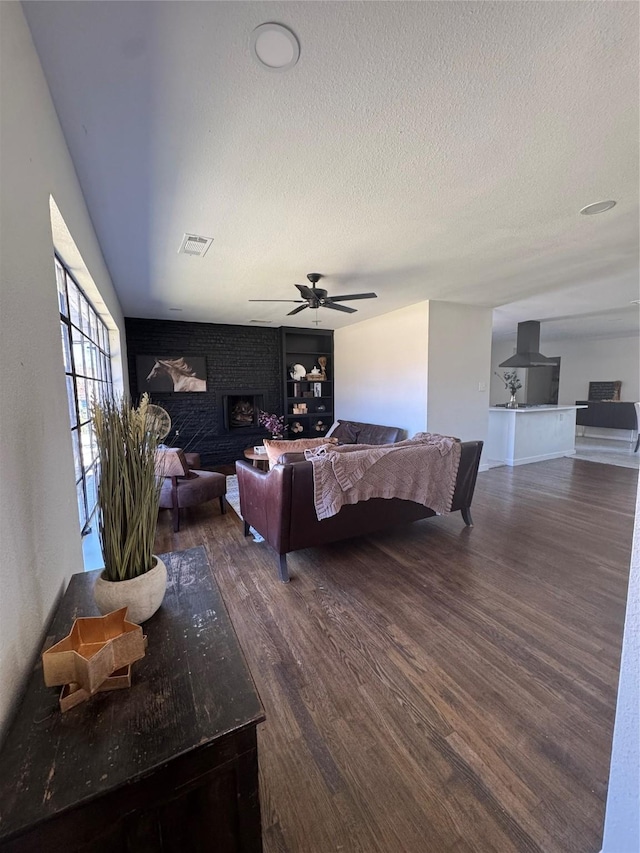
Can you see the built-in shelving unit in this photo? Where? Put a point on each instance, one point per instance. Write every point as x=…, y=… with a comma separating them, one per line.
x=305, y=347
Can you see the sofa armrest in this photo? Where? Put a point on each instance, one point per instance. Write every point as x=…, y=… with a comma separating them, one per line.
x=265, y=502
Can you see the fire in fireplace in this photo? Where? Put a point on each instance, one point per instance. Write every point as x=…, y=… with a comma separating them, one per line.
x=241, y=409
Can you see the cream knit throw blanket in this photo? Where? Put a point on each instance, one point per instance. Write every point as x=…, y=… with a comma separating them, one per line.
x=422, y=469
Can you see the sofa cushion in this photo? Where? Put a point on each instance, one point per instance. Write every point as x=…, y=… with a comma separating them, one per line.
x=275, y=448
x=376, y=434
x=198, y=488
x=344, y=431
x=354, y=432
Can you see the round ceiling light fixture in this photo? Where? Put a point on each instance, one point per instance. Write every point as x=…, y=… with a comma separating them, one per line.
x=275, y=47
x=598, y=207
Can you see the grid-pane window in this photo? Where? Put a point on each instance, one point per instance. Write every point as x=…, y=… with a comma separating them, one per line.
x=87, y=364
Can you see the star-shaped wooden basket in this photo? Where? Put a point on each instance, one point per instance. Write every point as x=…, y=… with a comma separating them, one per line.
x=96, y=655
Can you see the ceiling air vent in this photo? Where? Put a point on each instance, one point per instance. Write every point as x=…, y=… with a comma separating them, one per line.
x=194, y=245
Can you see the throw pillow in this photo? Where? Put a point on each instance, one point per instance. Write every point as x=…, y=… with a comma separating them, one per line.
x=276, y=448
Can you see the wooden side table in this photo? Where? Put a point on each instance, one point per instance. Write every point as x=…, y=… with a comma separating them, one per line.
x=170, y=764
x=260, y=460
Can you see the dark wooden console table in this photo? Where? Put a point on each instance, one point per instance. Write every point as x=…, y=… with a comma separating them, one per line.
x=169, y=764
x=610, y=415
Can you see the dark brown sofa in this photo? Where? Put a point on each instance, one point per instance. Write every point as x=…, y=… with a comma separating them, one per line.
x=279, y=505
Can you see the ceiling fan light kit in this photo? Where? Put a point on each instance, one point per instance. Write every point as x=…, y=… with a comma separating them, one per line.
x=317, y=297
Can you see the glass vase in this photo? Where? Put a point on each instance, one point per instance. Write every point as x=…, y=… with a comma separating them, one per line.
x=513, y=403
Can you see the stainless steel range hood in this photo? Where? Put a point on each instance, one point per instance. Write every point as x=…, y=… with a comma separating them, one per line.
x=528, y=348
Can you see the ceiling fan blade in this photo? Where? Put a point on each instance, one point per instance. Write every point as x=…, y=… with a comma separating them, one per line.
x=354, y=296
x=297, y=310
x=305, y=291
x=339, y=307
x=275, y=300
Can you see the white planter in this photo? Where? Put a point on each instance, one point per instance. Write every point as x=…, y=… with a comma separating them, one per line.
x=142, y=595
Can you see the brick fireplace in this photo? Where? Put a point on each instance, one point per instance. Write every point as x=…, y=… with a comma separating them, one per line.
x=242, y=362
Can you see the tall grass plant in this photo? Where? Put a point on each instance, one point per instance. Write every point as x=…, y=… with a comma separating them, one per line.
x=129, y=490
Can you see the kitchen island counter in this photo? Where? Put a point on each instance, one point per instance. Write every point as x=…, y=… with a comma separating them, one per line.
x=530, y=434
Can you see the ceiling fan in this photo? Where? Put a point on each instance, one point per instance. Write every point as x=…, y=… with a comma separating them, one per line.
x=316, y=297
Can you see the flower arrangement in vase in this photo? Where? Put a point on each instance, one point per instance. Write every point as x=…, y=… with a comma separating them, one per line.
x=512, y=382
x=273, y=423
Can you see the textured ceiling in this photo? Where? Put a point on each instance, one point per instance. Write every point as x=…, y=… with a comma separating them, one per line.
x=422, y=150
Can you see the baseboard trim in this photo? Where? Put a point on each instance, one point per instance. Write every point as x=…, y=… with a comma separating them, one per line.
x=542, y=458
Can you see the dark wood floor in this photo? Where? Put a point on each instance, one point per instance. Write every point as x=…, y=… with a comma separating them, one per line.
x=437, y=688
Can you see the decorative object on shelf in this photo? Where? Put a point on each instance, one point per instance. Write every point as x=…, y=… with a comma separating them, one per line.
x=322, y=361
x=297, y=427
x=300, y=409
x=297, y=371
x=317, y=389
x=314, y=375
x=128, y=501
x=273, y=423
x=321, y=407
x=307, y=393
x=166, y=374
x=320, y=426
x=512, y=382
x=92, y=656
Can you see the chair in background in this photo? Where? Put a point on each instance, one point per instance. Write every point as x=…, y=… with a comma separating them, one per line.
x=183, y=487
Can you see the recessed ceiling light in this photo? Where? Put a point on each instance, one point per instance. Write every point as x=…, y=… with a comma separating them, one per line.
x=175, y=309
x=598, y=207
x=635, y=302
x=261, y=321
x=275, y=47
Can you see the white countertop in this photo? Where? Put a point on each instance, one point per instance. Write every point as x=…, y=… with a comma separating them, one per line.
x=527, y=410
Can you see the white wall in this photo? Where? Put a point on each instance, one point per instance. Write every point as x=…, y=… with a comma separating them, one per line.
x=381, y=369
x=622, y=818
x=39, y=529
x=587, y=360
x=417, y=368
x=459, y=364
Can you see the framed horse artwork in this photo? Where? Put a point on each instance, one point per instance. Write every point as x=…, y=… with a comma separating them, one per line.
x=171, y=374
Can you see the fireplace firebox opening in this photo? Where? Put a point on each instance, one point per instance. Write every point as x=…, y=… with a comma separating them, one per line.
x=241, y=410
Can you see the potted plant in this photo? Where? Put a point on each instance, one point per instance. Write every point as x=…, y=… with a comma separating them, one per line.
x=512, y=382
x=128, y=497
